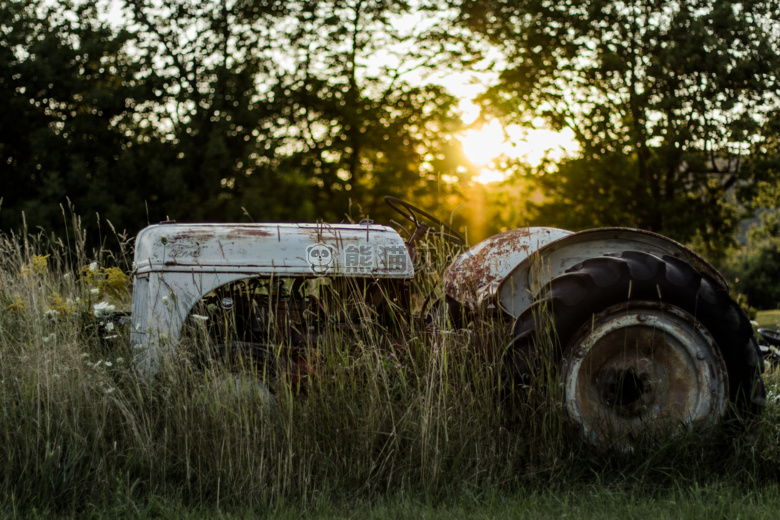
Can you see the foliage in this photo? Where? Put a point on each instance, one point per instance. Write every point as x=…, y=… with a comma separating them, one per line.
x=281, y=111
x=220, y=111
x=754, y=265
x=666, y=99
x=360, y=127
x=69, y=93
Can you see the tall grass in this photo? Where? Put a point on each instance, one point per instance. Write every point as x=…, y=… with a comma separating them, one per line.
x=424, y=417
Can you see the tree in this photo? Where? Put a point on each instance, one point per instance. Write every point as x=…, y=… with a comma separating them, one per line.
x=214, y=61
x=666, y=99
x=363, y=128
x=283, y=110
x=68, y=95
x=753, y=265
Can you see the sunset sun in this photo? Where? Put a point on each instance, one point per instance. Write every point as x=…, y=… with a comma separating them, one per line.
x=483, y=145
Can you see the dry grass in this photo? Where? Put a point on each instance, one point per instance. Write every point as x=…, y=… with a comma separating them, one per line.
x=81, y=430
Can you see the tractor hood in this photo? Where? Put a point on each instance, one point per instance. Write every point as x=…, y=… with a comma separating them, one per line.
x=274, y=249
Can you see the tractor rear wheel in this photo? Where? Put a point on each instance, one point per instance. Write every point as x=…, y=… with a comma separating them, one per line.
x=641, y=343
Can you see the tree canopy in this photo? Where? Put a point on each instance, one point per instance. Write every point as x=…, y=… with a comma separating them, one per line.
x=312, y=110
x=69, y=101
x=666, y=99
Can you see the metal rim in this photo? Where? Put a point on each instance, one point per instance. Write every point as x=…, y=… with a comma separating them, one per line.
x=643, y=368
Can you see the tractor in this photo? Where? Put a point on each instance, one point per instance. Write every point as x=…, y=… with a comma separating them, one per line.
x=641, y=330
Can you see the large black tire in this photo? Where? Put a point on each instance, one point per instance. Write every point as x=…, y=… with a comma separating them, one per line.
x=572, y=300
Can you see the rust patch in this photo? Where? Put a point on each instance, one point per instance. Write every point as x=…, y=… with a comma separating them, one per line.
x=248, y=231
x=485, y=264
x=192, y=236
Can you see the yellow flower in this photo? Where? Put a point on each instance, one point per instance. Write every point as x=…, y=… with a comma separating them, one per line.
x=17, y=305
x=114, y=283
x=105, y=281
x=63, y=307
x=36, y=266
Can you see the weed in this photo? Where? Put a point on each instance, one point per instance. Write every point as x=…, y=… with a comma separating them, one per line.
x=423, y=417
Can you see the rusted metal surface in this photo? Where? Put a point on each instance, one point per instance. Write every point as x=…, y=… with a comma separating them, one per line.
x=473, y=277
x=177, y=264
x=278, y=249
x=517, y=291
x=645, y=369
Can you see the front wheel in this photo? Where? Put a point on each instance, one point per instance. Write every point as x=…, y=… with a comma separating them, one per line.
x=641, y=343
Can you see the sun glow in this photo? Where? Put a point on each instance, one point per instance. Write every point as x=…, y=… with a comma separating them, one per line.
x=484, y=145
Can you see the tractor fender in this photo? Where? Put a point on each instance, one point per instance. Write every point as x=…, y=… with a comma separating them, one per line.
x=519, y=288
x=473, y=278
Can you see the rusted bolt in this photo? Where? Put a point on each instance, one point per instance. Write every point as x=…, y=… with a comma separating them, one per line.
x=700, y=355
x=580, y=352
x=641, y=318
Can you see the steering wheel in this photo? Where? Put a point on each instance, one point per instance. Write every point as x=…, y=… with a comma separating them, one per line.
x=413, y=214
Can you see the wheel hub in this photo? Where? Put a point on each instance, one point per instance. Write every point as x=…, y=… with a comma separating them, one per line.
x=643, y=368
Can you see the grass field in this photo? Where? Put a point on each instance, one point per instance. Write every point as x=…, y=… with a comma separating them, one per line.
x=406, y=430
x=585, y=502
x=768, y=319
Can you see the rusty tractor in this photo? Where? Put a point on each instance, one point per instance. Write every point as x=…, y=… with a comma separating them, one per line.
x=640, y=329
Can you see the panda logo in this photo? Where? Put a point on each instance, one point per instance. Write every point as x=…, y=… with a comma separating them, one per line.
x=320, y=257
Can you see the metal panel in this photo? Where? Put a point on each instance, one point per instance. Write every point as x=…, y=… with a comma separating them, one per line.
x=517, y=291
x=474, y=276
x=177, y=264
x=274, y=249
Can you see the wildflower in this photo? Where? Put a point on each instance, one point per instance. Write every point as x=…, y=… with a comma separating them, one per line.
x=66, y=277
x=16, y=305
x=51, y=314
x=85, y=354
x=102, y=309
x=113, y=336
x=63, y=307
x=94, y=291
x=50, y=337
x=114, y=283
x=166, y=301
x=109, y=326
x=198, y=317
x=109, y=390
x=391, y=356
x=398, y=366
x=109, y=364
x=37, y=265
x=120, y=360
x=93, y=266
